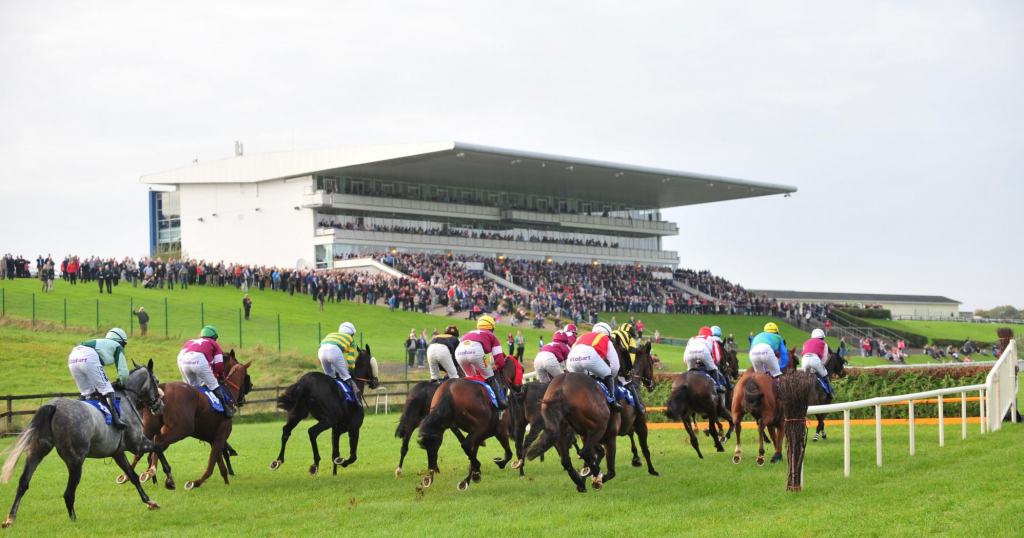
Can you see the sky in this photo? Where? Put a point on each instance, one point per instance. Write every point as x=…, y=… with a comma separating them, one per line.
x=899, y=122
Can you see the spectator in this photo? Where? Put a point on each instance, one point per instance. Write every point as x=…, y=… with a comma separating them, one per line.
x=520, y=345
x=143, y=321
x=842, y=348
x=246, y=305
x=421, y=349
x=410, y=348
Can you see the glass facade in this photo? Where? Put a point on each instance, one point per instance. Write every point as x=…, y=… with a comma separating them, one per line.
x=164, y=223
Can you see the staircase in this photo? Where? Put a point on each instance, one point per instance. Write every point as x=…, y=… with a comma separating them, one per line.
x=690, y=290
x=849, y=327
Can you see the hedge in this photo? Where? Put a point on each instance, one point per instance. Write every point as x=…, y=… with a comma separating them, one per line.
x=867, y=313
x=957, y=343
x=863, y=384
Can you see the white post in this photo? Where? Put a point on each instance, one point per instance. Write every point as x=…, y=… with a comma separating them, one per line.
x=942, y=423
x=982, y=408
x=846, y=443
x=878, y=435
x=963, y=415
x=910, y=414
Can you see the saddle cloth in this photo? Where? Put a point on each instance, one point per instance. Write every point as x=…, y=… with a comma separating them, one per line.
x=346, y=391
x=701, y=370
x=490, y=391
x=621, y=393
x=102, y=408
x=215, y=402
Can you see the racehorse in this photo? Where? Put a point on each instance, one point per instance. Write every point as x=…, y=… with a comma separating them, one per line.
x=319, y=395
x=464, y=404
x=417, y=405
x=835, y=365
x=695, y=393
x=574, y=404
x=188, y=413
x=632, y=421
x=78, y=431
x=756, y=394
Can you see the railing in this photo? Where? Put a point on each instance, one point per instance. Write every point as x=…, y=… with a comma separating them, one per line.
x=997, y=395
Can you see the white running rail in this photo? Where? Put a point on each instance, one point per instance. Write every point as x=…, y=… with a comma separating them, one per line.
x=998, y=393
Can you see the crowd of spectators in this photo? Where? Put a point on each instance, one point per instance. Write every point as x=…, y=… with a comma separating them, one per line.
x=446, y=231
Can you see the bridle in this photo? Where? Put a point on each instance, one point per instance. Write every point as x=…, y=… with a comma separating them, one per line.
x=237, y=387
x=156, y=404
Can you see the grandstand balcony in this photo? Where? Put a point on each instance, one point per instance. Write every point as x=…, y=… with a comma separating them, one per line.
x=568, y=221
x=378, y=241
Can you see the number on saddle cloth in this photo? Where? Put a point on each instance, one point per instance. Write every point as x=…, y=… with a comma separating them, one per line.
x=490, y=392
x=102, y=408
x=346, y=391
x=215, y=402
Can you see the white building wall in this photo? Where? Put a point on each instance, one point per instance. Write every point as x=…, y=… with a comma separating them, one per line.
x=275, y=234
x=931, y=310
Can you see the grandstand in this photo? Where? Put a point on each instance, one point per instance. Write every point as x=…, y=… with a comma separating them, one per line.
x=305, y=209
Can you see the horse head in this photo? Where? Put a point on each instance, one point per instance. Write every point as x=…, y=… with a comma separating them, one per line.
x=835, y=365
x=237, y=378
x=144, y=386
x=643, y=366
x=365, y=370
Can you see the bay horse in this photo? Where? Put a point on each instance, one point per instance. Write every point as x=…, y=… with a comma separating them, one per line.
x=464, y=405
x=695, y=393
x=573, y=404
x=632, y=421
x=756, y=394
x=188, y=413
x=318, y=394
x=79, y=431
x=417, y=405
x=835, y=366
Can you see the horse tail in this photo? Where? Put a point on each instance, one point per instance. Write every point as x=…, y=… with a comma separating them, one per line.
x=291, y=397
x=553, y=411
x=412, y=414
x=38, y=433
x=437, y=421
x=752, y=394
x=676, y=407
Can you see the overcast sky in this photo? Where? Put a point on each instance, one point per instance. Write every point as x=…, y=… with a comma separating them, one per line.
x=900, y=122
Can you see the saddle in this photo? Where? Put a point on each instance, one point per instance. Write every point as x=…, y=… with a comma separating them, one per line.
x=102, y=408
x=621, y=393
x=215, y=402
x=346, y=391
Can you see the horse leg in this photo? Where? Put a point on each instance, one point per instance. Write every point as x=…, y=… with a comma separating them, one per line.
x=694, y=442
x=314, y=432
x=821, y=428
x=641, y=434
x=286, y=432
x=336, y=432
x=122, y=478
x=776, y=433
x=716, y=429
x=761, y=438
x=169, y=480
x=470, y=447
x=562, y=446
x=74, y=477
x=122, y=462
x=405, y=450
x=728, y=418
x=227, y=459
x=353, y=443
x=223, y=469
x=737, y=420
x=609, y=462
x=503, y=438
x=216, y=449
x=35, y=455
x=632, y=446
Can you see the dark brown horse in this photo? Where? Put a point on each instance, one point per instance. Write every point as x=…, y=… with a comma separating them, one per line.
x=318, y=395
x=633, y=422
x=756, y=394
x=465, y=405
x=187, y=413
x=835, y=366
x=695, y=394
x=417, y=405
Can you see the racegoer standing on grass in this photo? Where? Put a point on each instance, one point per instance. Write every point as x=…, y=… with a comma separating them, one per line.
x=86, y=363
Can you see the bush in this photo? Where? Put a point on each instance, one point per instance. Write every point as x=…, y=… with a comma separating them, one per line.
x=957, y=343
x=867, y=313
x=912, y=339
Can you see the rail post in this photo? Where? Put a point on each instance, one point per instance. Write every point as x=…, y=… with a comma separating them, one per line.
x=910, y=415
x=942, y=423
x=239, y=327
x=846, y=443
x=131, y=316
x=166, y=331
x=10, y=415
x=65, y=312
x=3, y=302
x=878, y=435
x=33, y=309
x=963, y=415
x=202, y=315
x=318, y=332
x=97, y=314
x=279, y=333
x=982, y=409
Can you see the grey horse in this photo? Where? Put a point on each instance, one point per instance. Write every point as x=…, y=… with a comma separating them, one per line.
x=78, y=431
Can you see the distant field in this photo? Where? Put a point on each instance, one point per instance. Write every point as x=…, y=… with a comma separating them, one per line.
x=957, y=330
x=968, y=488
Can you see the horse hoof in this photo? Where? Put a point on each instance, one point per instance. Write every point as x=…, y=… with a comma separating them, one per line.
x=597, y=481
x=169, y=485
x=464, y=485
x=275, y=464
x=736, y=459
x=776, y=458
x=144, y=477
x=189, y=485
x=581, y=489
x=398, y=472
x=313, y=469
x=121, y=479
x=585, y=471
x=815, y=440
x=152, y=505
x=428, y=480
x=8, y=522
x=636, y=462
x=652, y=472
x=476, y=477
x=339, y=461
x=760, y=461
x=719, y=449
x=517, y=464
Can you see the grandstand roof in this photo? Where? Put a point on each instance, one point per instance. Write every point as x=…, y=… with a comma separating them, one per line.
x=858, y=297
x=463, y=165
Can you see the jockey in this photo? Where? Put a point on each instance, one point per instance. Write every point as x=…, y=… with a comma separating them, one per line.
x=571, y=332
x=86, y=363
x=472, y=352
x=440, y=353
x=338, y=353
x=810, y=359
x=201, y=362
x=699, y=353
x=548, y=362
x=594, y=354
x=768, y=353
x=627, y=334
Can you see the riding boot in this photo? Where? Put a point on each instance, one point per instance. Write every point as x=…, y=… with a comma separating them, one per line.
x=721, y=382
x=498, y=393
x=635, y=391
x=610, y=383
x=828, y=386
x=115, y=416
x=226, y=401
x=355, y=389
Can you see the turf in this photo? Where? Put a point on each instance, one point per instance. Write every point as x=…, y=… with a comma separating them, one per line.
x=965, y=488
x=957, y=330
